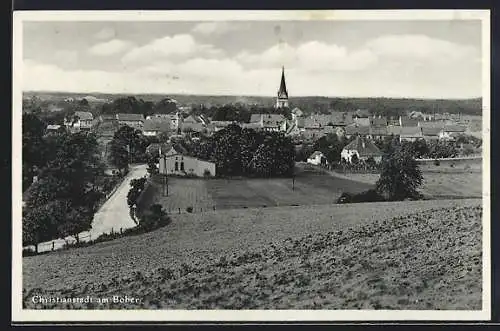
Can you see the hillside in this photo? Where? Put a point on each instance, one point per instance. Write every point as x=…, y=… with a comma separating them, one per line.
x=402, y=255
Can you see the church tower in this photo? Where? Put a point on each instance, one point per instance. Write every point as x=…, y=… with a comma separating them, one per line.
x=282, y=99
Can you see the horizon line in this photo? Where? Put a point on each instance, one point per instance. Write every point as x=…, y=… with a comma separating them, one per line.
x=259, y=96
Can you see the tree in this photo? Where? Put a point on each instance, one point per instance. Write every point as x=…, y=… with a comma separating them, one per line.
x=227, y=150
x=76, y=219
x=354, y=159
x=33, y=147
x=63, y=200
x=400, y=176
x=118, y=154
x=40, y=224
x=152, y=164
x=420, y=148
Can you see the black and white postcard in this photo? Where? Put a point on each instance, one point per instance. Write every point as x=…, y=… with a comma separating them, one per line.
x=251, y=165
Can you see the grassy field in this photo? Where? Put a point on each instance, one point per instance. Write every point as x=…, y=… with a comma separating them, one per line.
x=310, y=188
x=439, y=184
x=399, y=255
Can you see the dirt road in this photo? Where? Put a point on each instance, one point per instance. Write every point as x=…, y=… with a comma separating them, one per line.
x=113, y=215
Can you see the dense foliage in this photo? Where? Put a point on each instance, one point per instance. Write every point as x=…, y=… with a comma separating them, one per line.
x=128, y=146
x=246, y=152
x=400, y=176
x=69, y=187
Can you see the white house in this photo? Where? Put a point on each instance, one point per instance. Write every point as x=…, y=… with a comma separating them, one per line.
x=80, y=121
x=317, y=158
x=175, y=161
x=363, y=149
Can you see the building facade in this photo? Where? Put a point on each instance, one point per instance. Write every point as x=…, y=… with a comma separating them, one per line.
x=176, y=162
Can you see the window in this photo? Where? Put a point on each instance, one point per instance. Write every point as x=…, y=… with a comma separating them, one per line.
x=182, y=166
x=176, y=166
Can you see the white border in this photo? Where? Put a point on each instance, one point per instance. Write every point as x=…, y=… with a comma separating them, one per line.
x=20, y=315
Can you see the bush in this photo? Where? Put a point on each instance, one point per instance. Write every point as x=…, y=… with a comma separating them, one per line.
x=207, y=173
x=153, y=218
x=365, y=196
x=436, y=163
x=189, y=209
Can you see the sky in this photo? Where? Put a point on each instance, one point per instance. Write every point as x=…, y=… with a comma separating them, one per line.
x=413, y=59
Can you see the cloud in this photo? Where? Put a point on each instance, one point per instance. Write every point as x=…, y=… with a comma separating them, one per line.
x=111, y=47
x=390, y=66
x=217, y=28
x=163, y=48
x=208, y=28
x=66, y=57
x=313, y=56
x=420, y=47
x=105, y=33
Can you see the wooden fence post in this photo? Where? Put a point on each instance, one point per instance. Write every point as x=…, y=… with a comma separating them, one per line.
x=53, y=245
x=179, y=210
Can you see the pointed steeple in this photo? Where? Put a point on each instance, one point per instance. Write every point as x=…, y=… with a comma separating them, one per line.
x=282, y=92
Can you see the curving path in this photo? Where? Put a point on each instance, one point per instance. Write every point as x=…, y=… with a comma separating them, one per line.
x=113, y=214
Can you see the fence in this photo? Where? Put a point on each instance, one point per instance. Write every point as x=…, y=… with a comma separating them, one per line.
x=83, y=237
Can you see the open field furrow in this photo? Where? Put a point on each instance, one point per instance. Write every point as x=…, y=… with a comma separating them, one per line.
x=428, y=259
x=194, y=238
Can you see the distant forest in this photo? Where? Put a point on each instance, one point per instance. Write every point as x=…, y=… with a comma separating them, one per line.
x=391, y=107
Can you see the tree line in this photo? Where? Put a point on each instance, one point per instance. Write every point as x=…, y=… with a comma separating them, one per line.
x=246, y=152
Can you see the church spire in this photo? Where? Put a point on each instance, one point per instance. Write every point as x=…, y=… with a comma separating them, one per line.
x=282, y=93
x=282, y=100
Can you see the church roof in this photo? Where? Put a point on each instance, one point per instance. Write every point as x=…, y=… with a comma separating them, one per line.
x=282, y=92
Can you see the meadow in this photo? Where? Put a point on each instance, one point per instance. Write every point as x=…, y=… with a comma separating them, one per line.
x=390, y=255
x=438, y=184
x=309, y=188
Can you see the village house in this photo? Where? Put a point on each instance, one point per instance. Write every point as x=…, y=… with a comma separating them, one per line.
x=317, y=158
x=361, y=113
x=418, y=115
x=79, y=121
x=215, y=126
x=362, y=121
x=356, y=130
x=296, y=113
x=431, y=133
x=363, y=148
x=377, y=132
x=54, y=128
x=451, y=132
x=378, y=121
x=155, y=126
x=293, y=130
x=135, y=121
x=174, y=119
x=155, y=148
x=394, y=130
x=269, y=122
x=175, y=161
x=411, y=133
x=192, y=123
x=107, y=118
x=407, y=122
